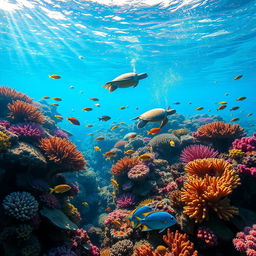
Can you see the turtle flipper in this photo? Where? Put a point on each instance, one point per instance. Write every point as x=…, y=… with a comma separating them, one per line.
x=141, y=123
x=110, y=86
x=163, y=123
x=136, y=84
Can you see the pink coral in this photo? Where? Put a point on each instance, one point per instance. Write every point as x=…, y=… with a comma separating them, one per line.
x=245, y=144
x=125, y=201
x=116, y=215
x=5, y=123
x=245, y=242
x=193, y=152
x=138, y=172
x=207, y=236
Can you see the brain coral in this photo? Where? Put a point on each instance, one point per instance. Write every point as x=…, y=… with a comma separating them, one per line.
x=20, y=111
x=8, y=95
x=161, y=142
x=63, y=152
x=20, y=205
x=121, y=248
x=138, y=172
x=193, y=152
x=124, y=165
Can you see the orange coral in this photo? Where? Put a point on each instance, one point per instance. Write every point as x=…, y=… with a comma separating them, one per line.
x=147, y=250
x=8, y=95
x=179, y=244
x=21, y=111
x=63, y=152
x=105, y=252
x=124, y=165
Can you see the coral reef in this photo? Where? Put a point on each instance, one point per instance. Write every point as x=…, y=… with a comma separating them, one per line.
x=245, y=144
x=7, y=95
x=138, y=172
x=4, y=141
x=207, y=236
x=124, y=165
x=124, y=247
x=125, y=201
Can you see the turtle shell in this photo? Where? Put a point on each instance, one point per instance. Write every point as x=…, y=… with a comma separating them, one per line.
x=152, y=115
x=125, y=80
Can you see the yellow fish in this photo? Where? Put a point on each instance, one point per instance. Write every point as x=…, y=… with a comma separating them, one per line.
x=122, y=108
x=59, y=117
x=97, y=148
x=121, y=123
x=151, y=149
x=99, y=188
x=144, y=157
x=55, y=76
x=241, y=98
x=221, y=107
x=55, y=104
x=222, y=103
x=85, y=204
x=172, y=143
x=114, y=127
x=45, y=97
x=59, y=189
x=57, y=99
x=250, y=114
x=114, y=183
x=129, y=152
x=234, y=119
x=199, y=108
x=116, y=222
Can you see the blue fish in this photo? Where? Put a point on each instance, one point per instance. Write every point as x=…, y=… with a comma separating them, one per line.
x=138, y=213
x=156, y=220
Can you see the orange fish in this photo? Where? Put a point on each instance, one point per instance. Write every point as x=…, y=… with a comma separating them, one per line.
x=109, y=154
x=94, y=99
x=57, y=99
x=108, y=209
x=73, y=120
x=55, y=104
x=154, y=131
x=104, y=118
x=87, y=109
x=55, y=76
x=238, y=77
x=89, y=125
x=133, y=136
x=99, y=138
x=60, y=188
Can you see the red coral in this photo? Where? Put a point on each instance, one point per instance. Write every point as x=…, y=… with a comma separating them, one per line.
x=63, y=152
x=21, y=111
x=124, y=165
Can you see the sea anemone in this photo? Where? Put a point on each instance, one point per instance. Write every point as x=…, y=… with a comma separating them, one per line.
x=124, y=165
x=59, y=133
x=63, y=152
x=7, y=95
x=138, y=172
x=193, y=152
x=125, y=201
x=220, y=134
x=30, y=131
x=20, y=111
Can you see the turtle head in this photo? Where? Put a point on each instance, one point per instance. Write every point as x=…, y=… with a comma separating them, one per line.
x=170, y=111
x=142, y=75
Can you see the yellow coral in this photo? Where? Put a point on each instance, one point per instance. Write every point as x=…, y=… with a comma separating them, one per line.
x=236, y=153
x=4, y=141
x=72, y=212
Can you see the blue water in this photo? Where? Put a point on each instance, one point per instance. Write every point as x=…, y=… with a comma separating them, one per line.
x=190, y=49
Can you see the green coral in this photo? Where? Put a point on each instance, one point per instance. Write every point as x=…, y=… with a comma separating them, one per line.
x=4, y=141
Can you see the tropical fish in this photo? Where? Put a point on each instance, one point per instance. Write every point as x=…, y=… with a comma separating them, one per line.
x=80, y=57
x=151, y=150
x=97, y=148
x=116, y=222
x=114, y=127
x=221, y=107
x=45, y=97
x=222, y=103
x=172, y=143
x=154, y=131
x=156, y=220
x=161, y=250
x=199, y=108
x=60, y=189
x=132, y=136
x=189, y=103
x=234, y=108
x=55, y=76
x=57, y=99
x=73, y=120
x=121, y=123
x=85, y=204
x=250, y=114
x=109, y=155
x=104, y=118
x=241, y=98
x=238, y=77
x=234, y=119
x=87, y=109
x=176, y=103
x=97, y=105
x=55, y=104
x=123, y=107
x=99, y=188
x=89, y=125
x=71, y=86
x=59, y=117
x=108, y=209
x=138, y=213
x=226, y=94
x=100, y=138
x=114, y=183
x=144, y=157
x=94, y=99
x=129, y=151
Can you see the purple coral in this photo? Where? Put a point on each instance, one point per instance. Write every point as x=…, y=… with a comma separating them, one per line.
x=125, y=201
x=5, y=123
x=29, y=130
x=246, y=144
x=61, y=251
x=59, y=133
x=194, y=152
x=49, y=200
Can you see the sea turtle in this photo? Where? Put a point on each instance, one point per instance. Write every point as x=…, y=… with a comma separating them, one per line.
x=124, y=81
x=154, y=115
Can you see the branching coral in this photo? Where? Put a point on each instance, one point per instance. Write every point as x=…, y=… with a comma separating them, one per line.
x=4, y=141
x=20, y=111
x=8, y=95
x=124, y=165
x=219, y=134
x=63, y=152
x=193, y=152
x=138, y=172
x=179, y=244
x=143, y=250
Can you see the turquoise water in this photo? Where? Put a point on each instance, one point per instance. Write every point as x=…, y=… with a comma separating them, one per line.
x=191, y=51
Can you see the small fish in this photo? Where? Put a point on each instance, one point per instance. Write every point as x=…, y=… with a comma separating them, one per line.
x=234, y=108
x=129, y=152
x=114, y=183
x=59, y=117
x=71, y=86
x=114, y=127
x=133, y=136
x=45, y=97
x=116, y=222
x=172, y=143
x=144, y=157
x=241, y=98
x=85, y=204
x=121, y=123
x=234, y=119
x=80, y=57
x=57, y=99
x=199, y=108
x=73, y=120
x=176, y=103
x=89, y=125
x=97, y=148
x=161, y=250
x=108, y=209
x=90, y=133
x=100, y=138
x=104, y=118
x=250, y=114
x=226, y=94
x=189, y=103
x=87, y=109
x=55, y=104
x=60, y=189
x=109, y=155
x=123, y=107
x=222, y=103
x=137, y=108
x=154, y=131
x=238, y=77
x=94, y=99
x=55, y=76
x=97, y=105
x=221, y=107
x=156, y=220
